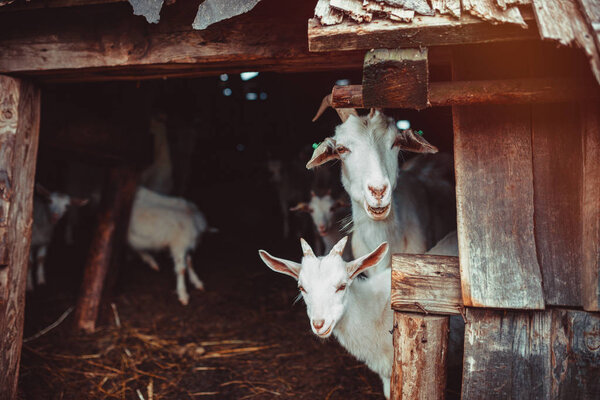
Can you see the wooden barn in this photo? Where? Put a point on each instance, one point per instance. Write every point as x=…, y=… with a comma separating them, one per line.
x=510, y=87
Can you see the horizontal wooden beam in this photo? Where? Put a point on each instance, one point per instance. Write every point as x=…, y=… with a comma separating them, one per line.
x=107, y=42
x=426, y=284
x=456, y=93
x=439, y=30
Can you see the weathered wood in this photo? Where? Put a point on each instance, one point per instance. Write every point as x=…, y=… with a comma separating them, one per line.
x=19, y=130
x=399, y=77
x=32, y=5
x=498, y=262
x=420, y=6
x=591, y=12
x=452, y=7
x=393, y=13
x=532, y=355
x=352, y=8
x=420, y=353
x=425, y=31
x=590, y=121
x=557, y=179
x=488, y=10
x=326, y=14
x=49, y=44
x=562, y=21
x=503, y=4
x=426, y=284
x=115, y=194
x=455, y=93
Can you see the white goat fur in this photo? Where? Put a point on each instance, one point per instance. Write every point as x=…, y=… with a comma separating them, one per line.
x=399, y=213
x=358, y=315
x=161, y=222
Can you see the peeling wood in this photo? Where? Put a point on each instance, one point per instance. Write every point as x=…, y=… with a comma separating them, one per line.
x=352, y=8
x=451, y=7
x=149, y=9
x=326, y=14
x=426, y=283
x=562, y=21
x=393, y=13
x=503, y=4
x=489, y=11
x=213, y=11
x=419, y=6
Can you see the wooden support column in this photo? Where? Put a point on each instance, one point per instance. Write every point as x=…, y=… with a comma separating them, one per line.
x=19, y=130
x=420, y=352
x=117, y=196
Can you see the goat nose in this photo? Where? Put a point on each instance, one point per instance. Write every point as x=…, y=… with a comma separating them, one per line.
x=318, y=323
x=378, y=193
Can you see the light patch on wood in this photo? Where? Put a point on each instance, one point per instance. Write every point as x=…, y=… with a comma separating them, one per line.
x=451, y=7
x=419, y=6
x=503, y=4
x=354, y=9
x=562, y=21
x=393, y=13
x=488, y=10
x=326, y=14
x=149, y=9
x=213, y=11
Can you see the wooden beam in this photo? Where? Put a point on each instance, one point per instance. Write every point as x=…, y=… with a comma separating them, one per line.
x=425, y=31
x=590, y=280
x=426, y=284
x=117, y=192
x=19, y=130
x=398, y=76
x=107, y=42
x=33, y=5
x=455, y=93
x=420, y=353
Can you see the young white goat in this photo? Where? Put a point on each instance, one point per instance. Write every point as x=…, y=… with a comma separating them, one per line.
x=326, y=214
x=161, y=222
x=356, y=311
x=48, y=209
x=387, y=205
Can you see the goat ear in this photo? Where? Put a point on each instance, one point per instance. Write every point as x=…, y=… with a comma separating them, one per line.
x=307, y=251
x=42, y=191
x=365, y=262
x=301, y=207
x=322, y=154
x=374, y=111
x=410, y=141
x=280, y=265
x=339, y=247
x=79, y=202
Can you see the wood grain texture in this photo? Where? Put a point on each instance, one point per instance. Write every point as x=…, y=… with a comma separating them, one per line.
x=118, y=45
x=420, y=354
x=399, y=77
x=438, y=30
x=494, y=192
x=452, y=7
x=488, y=10
x=503, y=4
x=557, y=178
x=426, y=284
x=20, y=118
x=326, y=14
x=353, y=9
x=590, y=119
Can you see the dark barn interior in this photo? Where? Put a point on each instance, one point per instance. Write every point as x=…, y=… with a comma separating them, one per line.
x=232, y=338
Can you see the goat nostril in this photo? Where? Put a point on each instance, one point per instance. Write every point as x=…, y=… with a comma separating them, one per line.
x=378, y=192
x=318, y=323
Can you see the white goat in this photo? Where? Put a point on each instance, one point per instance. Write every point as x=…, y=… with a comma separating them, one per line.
x=387, y=205
x=48, y=209
x=356, y=311
x=326, y=214
x=161, y=222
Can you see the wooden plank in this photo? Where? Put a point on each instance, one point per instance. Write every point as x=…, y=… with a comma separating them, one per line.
x=49, y=44
x=398, y=76
x=442, y=94
x=488, y=10
x=326, y=14
x=425, y=31
x=562, y=21
x=494, y=192
x=420, y=353
x=557, y=179
x=452, y=7
x=503, y=4
x=590, y=118
x=19, y=118
x=426, y=284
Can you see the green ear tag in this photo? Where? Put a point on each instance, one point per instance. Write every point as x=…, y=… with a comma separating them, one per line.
x=315, y=145
x=420, y=132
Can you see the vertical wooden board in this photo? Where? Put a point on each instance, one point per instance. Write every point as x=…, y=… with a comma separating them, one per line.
x=494, y=192
x=506, y=355
x=575, y=355
x=23, y=122
x=420, y=354
x=557, y=179
x=590, y=118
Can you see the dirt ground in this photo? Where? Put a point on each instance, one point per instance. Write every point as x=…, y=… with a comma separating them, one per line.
x=242, y=338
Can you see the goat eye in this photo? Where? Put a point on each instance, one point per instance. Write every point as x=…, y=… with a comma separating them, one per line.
x=302, y=289
x=342, y=150
x=341, y=287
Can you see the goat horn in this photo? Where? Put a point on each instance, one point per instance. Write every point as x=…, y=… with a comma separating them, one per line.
x=344, y=113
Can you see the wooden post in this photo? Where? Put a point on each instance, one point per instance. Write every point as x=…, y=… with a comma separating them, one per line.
x=117, y=196
x=19, y=131
x=420, y=352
